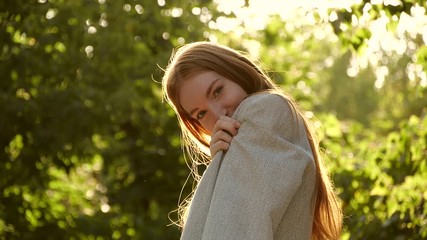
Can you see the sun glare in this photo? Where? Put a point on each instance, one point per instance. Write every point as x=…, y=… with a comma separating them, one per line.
x=255, y=16
x=382, y=42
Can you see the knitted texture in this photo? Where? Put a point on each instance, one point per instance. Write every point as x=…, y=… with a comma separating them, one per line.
x=263, y=187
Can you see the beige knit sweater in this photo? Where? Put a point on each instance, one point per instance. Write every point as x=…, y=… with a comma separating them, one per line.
x=263, y=187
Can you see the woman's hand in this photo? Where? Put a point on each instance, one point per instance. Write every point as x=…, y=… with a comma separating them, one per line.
x=224, y=131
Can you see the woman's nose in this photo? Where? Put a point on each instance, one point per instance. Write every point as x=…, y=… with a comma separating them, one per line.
x=218, y=111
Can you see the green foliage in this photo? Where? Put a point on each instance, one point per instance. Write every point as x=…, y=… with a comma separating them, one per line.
x=374, y=136
x=88, y=148
x=355, y=36
x=381, y=180
x=422, y=56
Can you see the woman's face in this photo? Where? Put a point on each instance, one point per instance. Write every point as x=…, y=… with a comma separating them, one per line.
x=207, y=96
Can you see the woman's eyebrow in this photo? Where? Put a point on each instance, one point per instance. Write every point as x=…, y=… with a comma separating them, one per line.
x=210, y=87
x=208, y=91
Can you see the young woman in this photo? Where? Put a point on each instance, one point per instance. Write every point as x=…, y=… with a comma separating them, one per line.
x=265, y=178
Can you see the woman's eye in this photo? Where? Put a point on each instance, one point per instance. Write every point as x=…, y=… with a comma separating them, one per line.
x=217, y=91
x=200, y=115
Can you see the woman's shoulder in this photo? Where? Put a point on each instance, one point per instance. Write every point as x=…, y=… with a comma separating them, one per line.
x=263, y=101
x=271, y=109
x=265, y=97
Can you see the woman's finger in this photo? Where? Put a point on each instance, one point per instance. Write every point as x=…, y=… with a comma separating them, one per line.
x=224, y=130
x=226, y=124
x=221, y=136
x=219, y=146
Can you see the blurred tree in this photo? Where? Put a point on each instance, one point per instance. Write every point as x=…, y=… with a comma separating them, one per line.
x=349, y=98
x=388, y=37
x=380, y=178
x=379, y=167
x=362, y=70
x=88, y=148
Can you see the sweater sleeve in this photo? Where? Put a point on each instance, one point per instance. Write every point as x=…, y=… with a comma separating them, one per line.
x=260, y=173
